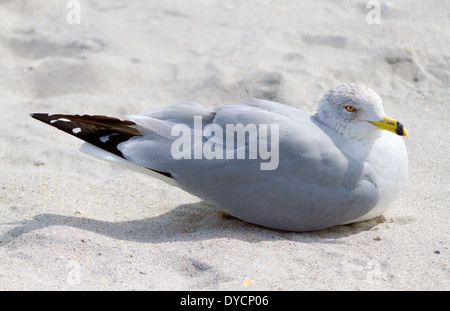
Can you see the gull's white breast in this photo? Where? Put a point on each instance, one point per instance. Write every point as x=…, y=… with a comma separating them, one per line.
x=387, y=167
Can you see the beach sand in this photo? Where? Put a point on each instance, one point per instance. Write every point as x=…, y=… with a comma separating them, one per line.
x=72, y=222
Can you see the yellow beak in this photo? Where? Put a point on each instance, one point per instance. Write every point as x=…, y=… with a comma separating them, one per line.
x=391, y=125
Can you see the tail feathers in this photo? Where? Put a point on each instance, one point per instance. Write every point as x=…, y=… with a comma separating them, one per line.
x=100, y=131
x=103, y=132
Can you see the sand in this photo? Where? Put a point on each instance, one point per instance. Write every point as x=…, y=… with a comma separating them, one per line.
x=72, y=222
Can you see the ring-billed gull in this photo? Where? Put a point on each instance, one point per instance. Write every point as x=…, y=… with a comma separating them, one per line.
x=345, y=164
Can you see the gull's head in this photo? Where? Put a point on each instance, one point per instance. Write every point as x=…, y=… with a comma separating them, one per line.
x=356, y=111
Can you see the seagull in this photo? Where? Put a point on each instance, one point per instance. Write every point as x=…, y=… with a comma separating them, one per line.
x=347, y=163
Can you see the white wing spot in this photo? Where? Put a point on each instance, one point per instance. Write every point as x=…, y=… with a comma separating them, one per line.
x=104, y=139
x=60, y=119
x=76, y=130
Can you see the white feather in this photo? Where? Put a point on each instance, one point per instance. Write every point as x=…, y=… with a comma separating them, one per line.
x=99, y=153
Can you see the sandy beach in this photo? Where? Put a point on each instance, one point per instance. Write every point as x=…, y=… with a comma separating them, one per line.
x=71, y=222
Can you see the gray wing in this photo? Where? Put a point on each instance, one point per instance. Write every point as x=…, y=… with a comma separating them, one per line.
x=315, y=184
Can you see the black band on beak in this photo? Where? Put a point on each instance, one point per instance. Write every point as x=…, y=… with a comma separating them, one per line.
x=399, y=129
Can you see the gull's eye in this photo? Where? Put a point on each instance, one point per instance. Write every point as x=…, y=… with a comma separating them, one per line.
x=350, y=108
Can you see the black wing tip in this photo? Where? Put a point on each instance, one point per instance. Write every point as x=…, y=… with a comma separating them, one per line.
x=46, y=118
x=43, y=117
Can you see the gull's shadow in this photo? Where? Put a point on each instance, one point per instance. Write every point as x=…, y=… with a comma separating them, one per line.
x=188, y=222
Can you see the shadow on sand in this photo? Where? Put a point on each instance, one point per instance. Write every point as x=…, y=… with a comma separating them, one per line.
x=188, y=222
